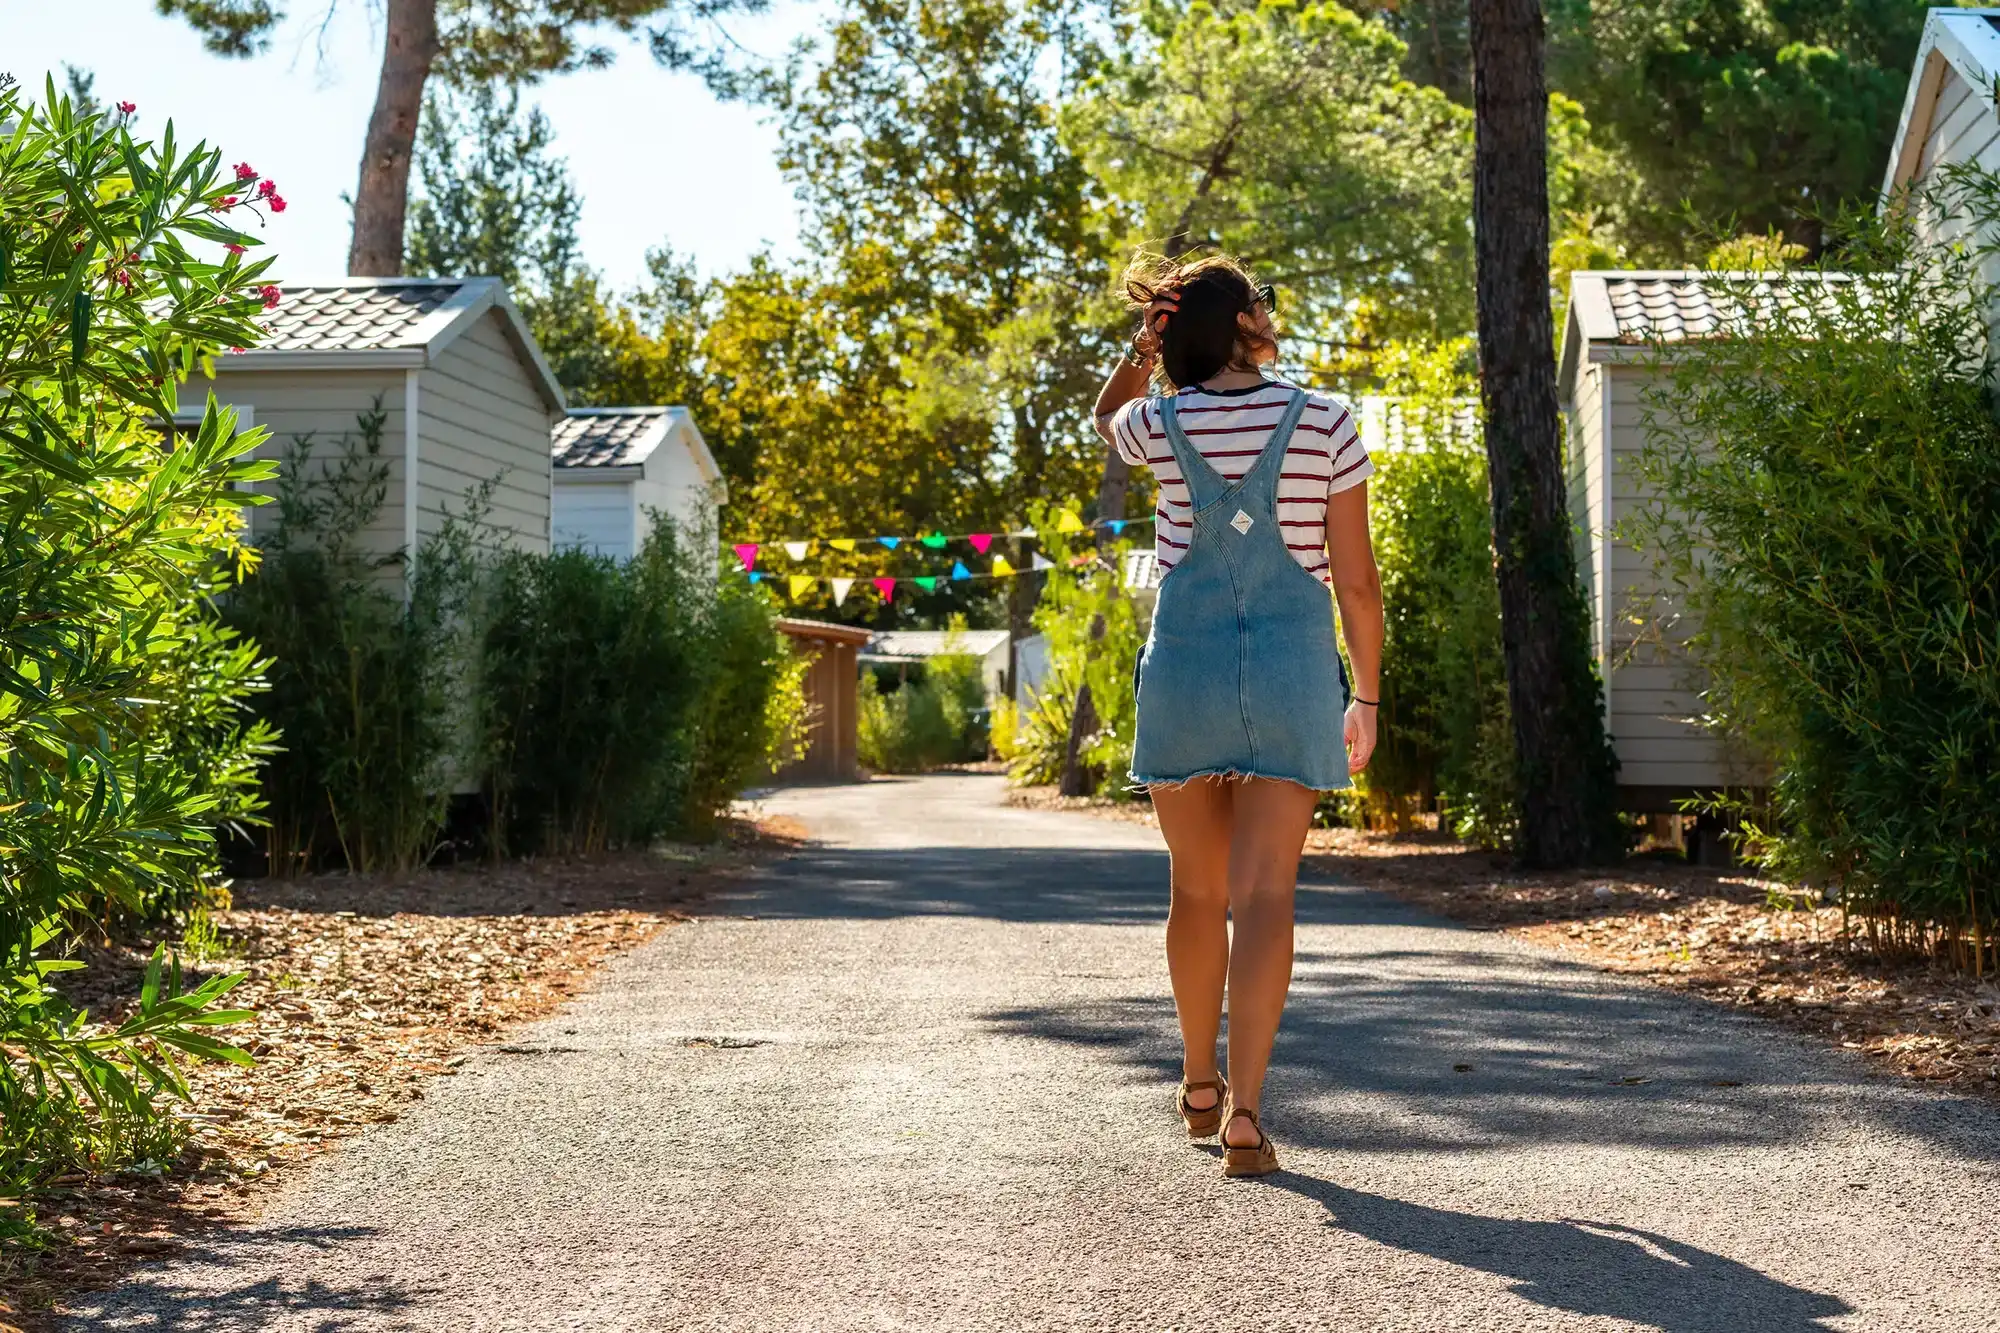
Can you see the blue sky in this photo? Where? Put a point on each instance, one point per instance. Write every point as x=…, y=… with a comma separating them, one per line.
x=656, y=157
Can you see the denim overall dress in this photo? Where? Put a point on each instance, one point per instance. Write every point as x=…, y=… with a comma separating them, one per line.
x=1240, y=676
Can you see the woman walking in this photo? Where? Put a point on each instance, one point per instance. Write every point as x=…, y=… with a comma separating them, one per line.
x=1245, y=711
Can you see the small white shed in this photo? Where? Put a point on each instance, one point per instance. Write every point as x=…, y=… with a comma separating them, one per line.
x=467, y=396
x=1616, y=322
x=616, y=466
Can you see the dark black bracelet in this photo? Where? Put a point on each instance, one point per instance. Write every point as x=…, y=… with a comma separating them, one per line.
x=1372, y=703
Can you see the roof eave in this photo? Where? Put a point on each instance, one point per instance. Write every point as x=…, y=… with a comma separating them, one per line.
x=585, y=473
x=474, y=298
x=333, y=358
x=1956, y=39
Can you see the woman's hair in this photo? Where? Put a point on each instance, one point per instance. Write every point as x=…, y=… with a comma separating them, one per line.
x=1202, y=337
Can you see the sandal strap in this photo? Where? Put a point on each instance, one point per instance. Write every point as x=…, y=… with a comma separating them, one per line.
x=1251, y=1116
x=1219, y=1084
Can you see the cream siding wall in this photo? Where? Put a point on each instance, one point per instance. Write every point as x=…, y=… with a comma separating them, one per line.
x=674, y=485
x=595, y=514
x=324, y=404
x=1653, y=682
x=480, y=419
x=1964, y=128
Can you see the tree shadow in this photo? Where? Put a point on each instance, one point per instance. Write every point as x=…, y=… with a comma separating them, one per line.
x=1598, y=1269
x=152, y=1298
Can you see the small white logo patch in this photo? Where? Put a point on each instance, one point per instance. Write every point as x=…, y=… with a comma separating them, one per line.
x=1242, y=521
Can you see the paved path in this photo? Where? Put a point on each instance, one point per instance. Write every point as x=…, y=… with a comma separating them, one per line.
x=918, y=1078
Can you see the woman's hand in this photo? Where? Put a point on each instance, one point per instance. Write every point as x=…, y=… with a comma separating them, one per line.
x=1360, y=735
x=1146, y=342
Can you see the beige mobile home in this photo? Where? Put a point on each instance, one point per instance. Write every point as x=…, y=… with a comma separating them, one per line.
x=468, y=398
x=1617, y=323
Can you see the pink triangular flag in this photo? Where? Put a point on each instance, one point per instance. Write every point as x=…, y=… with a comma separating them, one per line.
x=981, y=540
x=887, y=587
x=747, y=553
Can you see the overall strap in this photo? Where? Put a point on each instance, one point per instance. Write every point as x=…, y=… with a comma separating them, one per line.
x=1271, y=463
x=1205, y=485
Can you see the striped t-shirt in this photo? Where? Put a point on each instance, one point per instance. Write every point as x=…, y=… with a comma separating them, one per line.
x=1230, y=428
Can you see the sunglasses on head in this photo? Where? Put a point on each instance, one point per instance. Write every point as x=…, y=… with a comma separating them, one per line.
x=1267, y=294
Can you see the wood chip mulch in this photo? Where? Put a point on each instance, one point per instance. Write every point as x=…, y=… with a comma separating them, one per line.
x=364, y=988
x=1723, y=934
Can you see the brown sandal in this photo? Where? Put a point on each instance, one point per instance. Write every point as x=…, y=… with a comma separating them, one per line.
x=1260, y=1160
x=1202, y=1121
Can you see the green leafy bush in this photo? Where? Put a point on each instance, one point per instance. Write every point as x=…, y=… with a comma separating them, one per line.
x=1094, y=628
x=1828, y=474
x=121, y=723
x=622, y=702
x=1446, y=741
x=904, y=730
x=362, y=677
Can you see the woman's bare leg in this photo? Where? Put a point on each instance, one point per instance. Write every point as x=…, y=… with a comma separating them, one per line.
x=1269, y=832
x=1195, y=819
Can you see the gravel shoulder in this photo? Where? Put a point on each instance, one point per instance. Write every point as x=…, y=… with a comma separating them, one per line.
x=918, y=1076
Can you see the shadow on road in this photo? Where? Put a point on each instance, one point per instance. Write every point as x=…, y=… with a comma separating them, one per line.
x=1587, y=1268
x=215, y=1307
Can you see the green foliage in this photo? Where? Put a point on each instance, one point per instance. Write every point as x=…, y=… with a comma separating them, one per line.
x=937, y=715
x=1094, y=629
x=121, y=722
x=362, y=676
x=1829, y=474
x=1445, y=735
x=1766, y=114
x=1283, y=133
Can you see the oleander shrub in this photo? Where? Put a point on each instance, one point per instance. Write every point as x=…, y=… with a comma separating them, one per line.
x=1827, y=473
x=124, y=742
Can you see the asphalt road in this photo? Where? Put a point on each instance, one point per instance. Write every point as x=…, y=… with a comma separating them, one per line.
x=919, y=1077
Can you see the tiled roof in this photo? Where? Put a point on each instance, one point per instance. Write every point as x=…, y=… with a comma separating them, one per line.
x=1640, y=307
x=358, y=318
x=609, y=437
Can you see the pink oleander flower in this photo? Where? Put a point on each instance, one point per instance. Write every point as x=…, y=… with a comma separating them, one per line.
x=266, y=188
x=123, y=279
x=277, y=203
x=244, y=171
x=127, y=108
x=226, y=202
x=233, y=249
x=238, y=351
x=270, y=295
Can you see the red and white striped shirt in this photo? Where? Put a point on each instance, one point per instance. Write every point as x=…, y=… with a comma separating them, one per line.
x=1230, y=429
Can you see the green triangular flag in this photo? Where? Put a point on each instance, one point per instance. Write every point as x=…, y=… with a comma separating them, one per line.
x=934, y=540
x=926, y=583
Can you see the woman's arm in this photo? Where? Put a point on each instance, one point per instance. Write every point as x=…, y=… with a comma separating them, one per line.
x=1128, y=381
x=1357, y=586
x=1128, y=378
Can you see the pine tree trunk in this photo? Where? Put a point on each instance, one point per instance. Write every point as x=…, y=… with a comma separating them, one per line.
x=383, y=194
x=1567, y=813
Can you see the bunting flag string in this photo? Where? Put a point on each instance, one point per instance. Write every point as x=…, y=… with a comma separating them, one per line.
x=798, y=548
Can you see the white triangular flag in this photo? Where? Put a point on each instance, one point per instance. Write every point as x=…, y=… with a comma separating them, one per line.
x=1038, y=562
x=840, y=587
x=796, y=550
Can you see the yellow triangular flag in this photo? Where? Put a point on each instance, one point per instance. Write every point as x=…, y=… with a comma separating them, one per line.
x=1069, y=523
x=801, y=585
x=841, y=543
x=1001, y=569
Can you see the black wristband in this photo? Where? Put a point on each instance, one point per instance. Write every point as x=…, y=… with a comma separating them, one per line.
x=1372, y=703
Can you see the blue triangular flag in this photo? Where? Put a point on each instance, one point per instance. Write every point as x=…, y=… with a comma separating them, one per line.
x=756, y=577
x=959, y=571
x=1117, y=526
x=891, y=542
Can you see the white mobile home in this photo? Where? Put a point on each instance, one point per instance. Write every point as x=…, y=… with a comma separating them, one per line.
x=616, y=466
x=467, y=396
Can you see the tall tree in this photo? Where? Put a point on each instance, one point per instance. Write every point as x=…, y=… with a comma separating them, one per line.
x=468, y=41
x=1566, y=767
